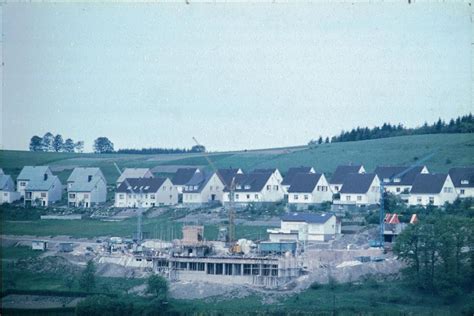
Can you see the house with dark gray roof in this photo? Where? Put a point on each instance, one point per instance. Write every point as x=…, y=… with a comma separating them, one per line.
x=86, y=187
x=292, y=172
x=276, y=173
x=134, y=173
x=306, y=227
x=360, y=189
x=8, y=194
x=339, y=176
x=399, y=179
x=145, y=192
x=463, y=180
x=435, y=189
x=309, y=188
x=256, y=187
x=226, y=175
x=29, y=173
x=204, y=187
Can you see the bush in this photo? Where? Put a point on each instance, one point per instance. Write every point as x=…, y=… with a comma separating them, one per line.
x=315, y=286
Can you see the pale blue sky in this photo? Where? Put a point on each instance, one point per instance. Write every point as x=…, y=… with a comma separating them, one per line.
x=235, y=76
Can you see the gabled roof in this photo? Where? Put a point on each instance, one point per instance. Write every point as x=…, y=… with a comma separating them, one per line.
x=183, y=175
x=226, y=175
x=143, y=185
x=357, y=183
x=265, y=170
x=342, y=171
x=388, y=172
x=198, y=182
x=6, y=183
x=292, y=172
x=82, y=174
x=33, y=172
x=304, y=182
x=252, y=182
x=428, y=183
x=42, y=184
x=135, y=173
x=391, y=218
x=462, y=177
x=307, y=217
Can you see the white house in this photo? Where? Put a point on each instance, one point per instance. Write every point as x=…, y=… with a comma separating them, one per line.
x=396, y=180
x=28, y=173
x=306, y=227
x=256, y=187
x=181, y=177
x=291, y=173
x=43, y=191
x=226, y=175
x=8, y=194
x=360, y=189
x=463, y=180
x=203, y=188
x=134, y=173
x=435, y=189
x=340, y=175
x=309, y=188
x=146, y=192
x=86, y=187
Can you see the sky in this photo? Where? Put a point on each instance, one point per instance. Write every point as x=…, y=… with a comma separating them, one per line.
x=235, y=76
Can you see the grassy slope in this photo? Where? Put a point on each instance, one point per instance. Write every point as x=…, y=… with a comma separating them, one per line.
x=451, y=150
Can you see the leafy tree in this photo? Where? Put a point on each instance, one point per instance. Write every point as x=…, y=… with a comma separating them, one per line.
x=320, y=140
x=99, y=305
x=68, y=146
x=36, y=143
x=58, y=143
x=87, y=279
x=103, y=145
x=327, y=140
x=158, y=287
x=79, y=146
x=198, y=149
x=47, y=143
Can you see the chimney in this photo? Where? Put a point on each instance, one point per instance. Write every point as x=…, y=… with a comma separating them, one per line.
x=45, y=177
x=89, y=178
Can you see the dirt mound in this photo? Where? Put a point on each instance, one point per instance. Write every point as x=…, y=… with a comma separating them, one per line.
x=51, y=264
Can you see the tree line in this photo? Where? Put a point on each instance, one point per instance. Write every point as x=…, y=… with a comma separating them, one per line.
x=462, y=124
x=146, y=151
x=55, y=143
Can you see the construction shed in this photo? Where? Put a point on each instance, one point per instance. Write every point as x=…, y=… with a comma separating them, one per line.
x=277, y=248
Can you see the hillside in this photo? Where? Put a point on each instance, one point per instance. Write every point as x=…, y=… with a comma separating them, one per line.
x=451, y=150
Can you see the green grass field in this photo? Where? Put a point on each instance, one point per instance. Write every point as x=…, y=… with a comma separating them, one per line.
x=451, y=150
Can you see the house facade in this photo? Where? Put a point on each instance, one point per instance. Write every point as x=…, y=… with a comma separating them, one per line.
x=134, y=173
x=434, y=189
x=43, y=191
x=256, y=188
x=306, y=227
x=360, y=189
x=146, y=192
x=339, y=176
x=8, y=194
x=86, y=187
x=291, y=173
x=309, y=188
x=28, y=173
x=203, y=188
x=276, y=173
x=463, y=180
x=396, y=181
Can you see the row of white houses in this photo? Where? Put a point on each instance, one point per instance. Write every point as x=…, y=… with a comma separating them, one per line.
x=349, y=185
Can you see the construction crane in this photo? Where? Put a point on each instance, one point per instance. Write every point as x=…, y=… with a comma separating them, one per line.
x=140, y=209
x=380, y=242
x=230, y=211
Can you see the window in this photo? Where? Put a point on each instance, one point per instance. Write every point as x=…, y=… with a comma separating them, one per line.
x=86, y=195
x=337, y=188
x=464, y=181
x=418, y=199
x=22, y=184
x=295, y=196
x=43, y=194
x=146, y=196
x=463, y=191
x=247, y=187
x=255, y=269
x=448, y=190
x=236, y=196
x=210, y=188
x=219, y=268
x=318, y=188
x=397, y=180
x=201, y=266
x=193, y=266
x=431, y=198
x=348, y=198
x=256, y=196
x=210, y=268
x=275, y=187
x=238, y=187
x=306, y=196
x=152, y=196
x=248, y=196
x=359, y=198
x=228, y=269
x=247, y=269
x=72, y=196
x=398, y=189
x=5, y=194
x=268, y=187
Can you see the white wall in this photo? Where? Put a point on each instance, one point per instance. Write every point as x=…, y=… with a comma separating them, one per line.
x=9, y=196
x=95, y=196
x=310, y=231
x=321, y=193
x=166, y=195
x=371, y=197
x=448, y=194
x=465, y=192
x=213, y=187
x=271, y=192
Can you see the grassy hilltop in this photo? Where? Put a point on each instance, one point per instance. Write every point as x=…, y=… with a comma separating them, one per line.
x=451, y=150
